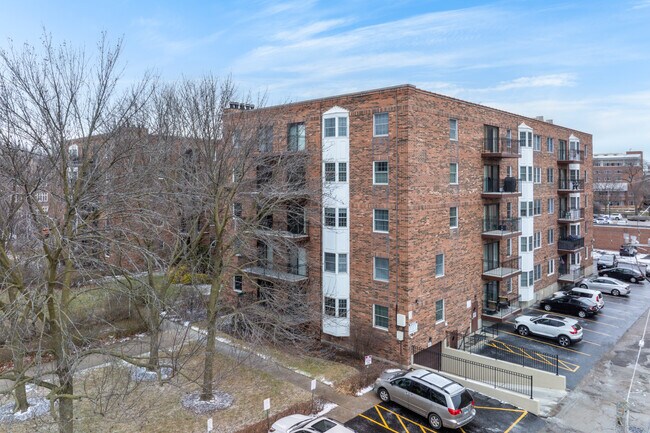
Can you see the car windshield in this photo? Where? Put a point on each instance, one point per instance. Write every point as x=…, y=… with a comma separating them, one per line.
x=461, y=400
x=577, y=327
x=323, y=425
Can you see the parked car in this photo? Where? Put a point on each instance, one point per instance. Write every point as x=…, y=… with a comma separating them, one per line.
x=644, y=269
x=308, y=424
x=627, y=251
x=623, y=274
x=570, y=304
x=606, y=285
x=607, y=261
x=616, y=216
x=585, y=293
x=442, y=401
x=603, y=219
x=563, y=329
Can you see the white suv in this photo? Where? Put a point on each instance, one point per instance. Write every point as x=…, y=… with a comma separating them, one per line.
x=594, y=295
x=563, y=329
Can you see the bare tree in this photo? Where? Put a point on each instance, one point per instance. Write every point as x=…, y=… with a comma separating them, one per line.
x=65, y=131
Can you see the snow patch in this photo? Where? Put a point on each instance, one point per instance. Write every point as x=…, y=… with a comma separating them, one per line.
x=220, y=400
x=38, y=406
x=327, y=407
x=141, y=374
x=365, y=390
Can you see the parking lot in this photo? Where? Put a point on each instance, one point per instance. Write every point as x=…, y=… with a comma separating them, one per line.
x=491, y=416
x=600, y=331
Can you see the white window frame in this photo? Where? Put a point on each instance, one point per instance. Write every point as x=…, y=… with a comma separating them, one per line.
x=374, y=221
x=235, y=280
x=551, y=205
x=374, y=317
x=453, y=224
x=374, y=124
x=374, y=269
x=550, y=146
x=442, y=310
x=551, y=267
x=342, y=259
x=442, y=274
x=537, y=269
x=453, y=129
x=550, y=236
x=453, y=181
x=537, y=240
x=374, y=173
x=537, y=175
x=325, y=253
x=537, y=143
x=337, y=126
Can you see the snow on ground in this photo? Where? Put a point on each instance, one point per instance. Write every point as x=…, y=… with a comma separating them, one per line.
x=38, y=406
x=220, y=400
x=141, y=374
x=365, y=390
x=327, y=407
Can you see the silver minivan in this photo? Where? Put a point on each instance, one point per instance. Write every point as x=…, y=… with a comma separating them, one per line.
x=442, y=401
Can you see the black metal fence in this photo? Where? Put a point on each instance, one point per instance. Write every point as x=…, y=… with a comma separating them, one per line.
x=471, y=370
x=484, y=343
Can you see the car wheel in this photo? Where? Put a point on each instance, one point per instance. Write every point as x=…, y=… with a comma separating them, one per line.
x=605, y=275
x=582, y=314
x=523, y=330
x=584, y=286
x=547, y=307
x=564, y=341
x=615, y=292
x=384, y=395
x=435, y=421
x=632, y=280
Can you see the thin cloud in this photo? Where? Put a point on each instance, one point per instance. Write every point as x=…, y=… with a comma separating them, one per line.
x=310, y=30
x=552, y=80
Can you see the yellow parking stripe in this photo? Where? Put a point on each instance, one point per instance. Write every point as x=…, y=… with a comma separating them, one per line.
x=516, y=422
x=426, y=429
x=399, y=418
x=373, y=421
x=565, y=365
x=548, y=344
x=381, y=416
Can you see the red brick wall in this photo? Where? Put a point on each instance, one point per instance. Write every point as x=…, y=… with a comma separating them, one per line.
x=611, y=237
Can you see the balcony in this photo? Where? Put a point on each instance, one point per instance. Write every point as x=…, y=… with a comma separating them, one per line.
x=568, y=275
x=500, y=309
x=501, y=228
x=570, y=243
x=567, y=156
x=571, y=215
x=500, y=148
x=495, y=188
x=571, y=185
x=500, y=270
x=296, y=274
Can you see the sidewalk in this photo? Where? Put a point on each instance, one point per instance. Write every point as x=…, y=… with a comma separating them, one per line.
x=595, y=405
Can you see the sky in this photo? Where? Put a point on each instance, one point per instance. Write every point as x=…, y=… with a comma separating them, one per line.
x=584, y=64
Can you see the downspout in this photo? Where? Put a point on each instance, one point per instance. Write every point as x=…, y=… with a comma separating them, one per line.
x=397, y=279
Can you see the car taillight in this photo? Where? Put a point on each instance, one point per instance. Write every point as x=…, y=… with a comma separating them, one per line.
x=573, y=330
x=472, y=402
x=593, y=308
x=454, y=412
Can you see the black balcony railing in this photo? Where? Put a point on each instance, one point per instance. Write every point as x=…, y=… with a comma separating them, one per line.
x=570, y=155
x=507, y=225
x=506, y=185
x=570, y=243
x=571, y=184
x=501, y=268
x=571, y=214
x=501, y=146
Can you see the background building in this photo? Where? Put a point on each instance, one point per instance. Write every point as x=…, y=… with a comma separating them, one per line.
x=618, y=181
x=437, y=214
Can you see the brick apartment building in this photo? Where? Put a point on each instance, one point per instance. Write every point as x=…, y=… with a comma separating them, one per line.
x=437, y=214
x=617, y=179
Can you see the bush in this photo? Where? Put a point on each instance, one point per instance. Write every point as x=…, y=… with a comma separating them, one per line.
x=183, y=275
x=304, y=408
x=364, y=378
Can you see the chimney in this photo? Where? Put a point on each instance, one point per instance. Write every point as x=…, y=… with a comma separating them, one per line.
x=240, y=106
x=539, y=118
x=549, y=121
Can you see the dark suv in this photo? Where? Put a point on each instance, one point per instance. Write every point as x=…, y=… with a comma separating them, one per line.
x=623, y=274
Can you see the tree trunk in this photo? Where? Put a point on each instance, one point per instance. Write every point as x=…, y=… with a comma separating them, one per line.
x=207, y=390
x=66, y=414
x=17, y=354
x=154, y=322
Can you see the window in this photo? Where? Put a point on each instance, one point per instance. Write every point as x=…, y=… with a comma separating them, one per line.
x=381, y=220
x=330, y=262
x=440, y=310
x=530, y=173
x=538, y=175
x=509, y=285
x=538, y=240
x=440, y=265
x=453, y=217
x=537, y=143
x=343, y=263
x=343, y=126
x=530, y=208
x=238, y=283
x=73, y=152
x=523, y=210
x=381, y=124
x=381, y=269
x=380, y=173
x=523, y=279
x=42, y=197
x=550, y=236
x=523, y=243
x=531, y=278
x=330, y=127
x=508, y=247
x=537, y=206
x=343, y=217
x=550, y=175
x=265, y=138
x=453, y=129
x=343, y=308
x=380, y=317
x=296, y=137
x=549, y=144
x=551, y=267
x=551, y=205
x=538, y=272
x=343, y=172
x=330, y=217
x=330, y=306
x=330, y=172
x=453, y=173
x=237, y=210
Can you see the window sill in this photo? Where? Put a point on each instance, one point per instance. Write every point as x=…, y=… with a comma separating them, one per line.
x=381, y=232
x=380, y=328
